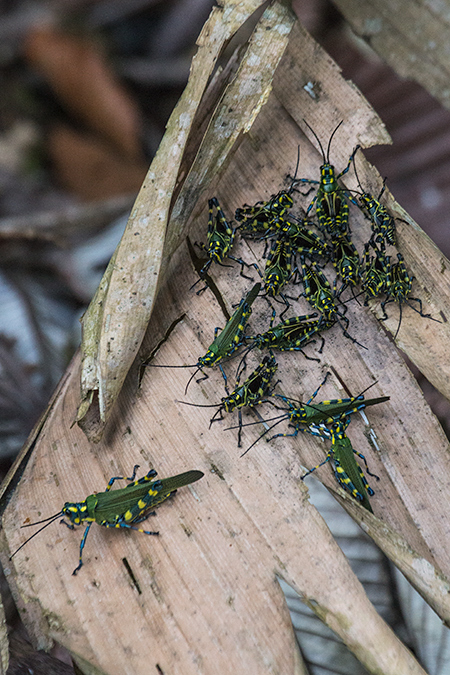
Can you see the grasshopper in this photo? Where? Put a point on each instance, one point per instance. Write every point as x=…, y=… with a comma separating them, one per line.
x=226, y=341
x=348, y=473
x=292, y=334
x=220, y=238
x=266, y=217
x=319, y=294
x=398, y=290
x=263, y=218
x=383, y=224
x=250, y=393
x=122, y=508
x=331, y=208
x=311, y=417
x=375, y=277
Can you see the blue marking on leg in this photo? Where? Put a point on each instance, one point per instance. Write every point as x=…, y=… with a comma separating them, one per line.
x=225, y=378
x=317, y=390
x=128, y=527
x=83, y=541
x=131, y=478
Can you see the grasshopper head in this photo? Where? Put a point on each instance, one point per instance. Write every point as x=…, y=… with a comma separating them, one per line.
x=76, y=512
x=328, y=178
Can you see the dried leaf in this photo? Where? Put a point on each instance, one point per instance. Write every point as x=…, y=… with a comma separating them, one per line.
x=83, y=81
x=210, y=594
x=321, y=649
x=89, y=168
x=4, y=643
x=411, y=37
x=131, y=291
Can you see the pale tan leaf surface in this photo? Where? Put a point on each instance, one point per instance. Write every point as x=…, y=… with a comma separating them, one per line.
x=412, y=37
x=208, y=582
x=209, y=598
x=130, y=293
x=322, y=651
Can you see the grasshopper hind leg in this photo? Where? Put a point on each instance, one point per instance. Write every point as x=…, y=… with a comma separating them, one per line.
x=344, y=480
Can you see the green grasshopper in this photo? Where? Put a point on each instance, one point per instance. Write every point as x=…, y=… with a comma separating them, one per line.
x=250, y=393
x=226, y=342
x=383, y=224
x=318, y=291
x=120, y=508
x=348, y=473
x=220, y=235
x=398, y=290
x=331, y=208
x=278, y=269
x=319, y=294
x=301, y=239
x=375, y=277
x=312, y=418
x=220, y=238
x=292, y=334
x=336, y=225
x=345, y=260
x=263, y=217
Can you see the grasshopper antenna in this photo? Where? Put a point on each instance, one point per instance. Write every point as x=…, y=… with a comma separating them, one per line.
x=47, y=521
x=329, y=142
